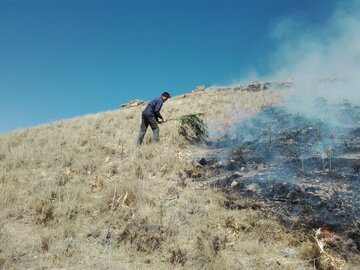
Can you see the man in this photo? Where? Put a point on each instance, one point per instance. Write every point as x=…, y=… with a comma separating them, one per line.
x=152, y=116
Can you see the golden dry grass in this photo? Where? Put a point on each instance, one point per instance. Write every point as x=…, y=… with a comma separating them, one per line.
x=79, y=194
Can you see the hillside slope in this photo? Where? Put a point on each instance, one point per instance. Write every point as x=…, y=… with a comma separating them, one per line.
x=79, y=194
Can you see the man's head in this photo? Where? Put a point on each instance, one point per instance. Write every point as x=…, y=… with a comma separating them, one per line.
x=165, y=96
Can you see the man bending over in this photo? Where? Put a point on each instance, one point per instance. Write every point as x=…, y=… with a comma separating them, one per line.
x=152, y=116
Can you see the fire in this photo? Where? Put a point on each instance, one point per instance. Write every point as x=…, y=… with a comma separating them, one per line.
x=225, y=125
x=228, y=123
x=328, y=234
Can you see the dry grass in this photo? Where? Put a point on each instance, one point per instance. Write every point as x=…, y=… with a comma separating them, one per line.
x=79, y=194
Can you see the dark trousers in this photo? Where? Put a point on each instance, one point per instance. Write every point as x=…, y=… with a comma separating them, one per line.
x=146, y=121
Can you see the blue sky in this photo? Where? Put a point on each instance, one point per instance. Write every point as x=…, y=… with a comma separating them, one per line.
x=60, y=58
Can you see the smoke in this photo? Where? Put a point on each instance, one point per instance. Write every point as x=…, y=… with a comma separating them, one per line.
x=324, y=61
x=321, y=109
x=309, y=146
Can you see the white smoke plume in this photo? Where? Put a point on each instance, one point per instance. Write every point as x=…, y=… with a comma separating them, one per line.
x=324, y=62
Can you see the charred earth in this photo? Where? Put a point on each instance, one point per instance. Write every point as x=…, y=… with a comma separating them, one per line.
x=303, y=169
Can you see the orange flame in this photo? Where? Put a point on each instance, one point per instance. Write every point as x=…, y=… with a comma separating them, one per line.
x=228, y=123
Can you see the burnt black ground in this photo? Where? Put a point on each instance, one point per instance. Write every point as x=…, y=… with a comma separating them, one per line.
x=304, y=170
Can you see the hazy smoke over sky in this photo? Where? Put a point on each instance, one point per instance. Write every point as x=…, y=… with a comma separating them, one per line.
x=324, y=62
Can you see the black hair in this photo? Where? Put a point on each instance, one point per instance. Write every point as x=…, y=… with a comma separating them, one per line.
x=166, y=94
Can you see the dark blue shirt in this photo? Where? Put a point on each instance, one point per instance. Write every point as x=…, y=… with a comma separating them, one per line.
x=154, y=107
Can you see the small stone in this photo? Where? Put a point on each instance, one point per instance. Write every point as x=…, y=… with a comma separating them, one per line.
x=237, y=174
x=133, y=103
x=233, y=184
x=253, y=188
x=254, y=86
x=266, y=85
x=200, y=88
x=203, y=161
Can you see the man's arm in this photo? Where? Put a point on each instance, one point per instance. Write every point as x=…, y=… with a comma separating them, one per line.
x=157, y=110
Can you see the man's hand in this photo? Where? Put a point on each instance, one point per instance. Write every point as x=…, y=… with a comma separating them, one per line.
x=161, y=121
